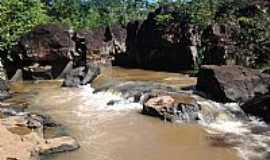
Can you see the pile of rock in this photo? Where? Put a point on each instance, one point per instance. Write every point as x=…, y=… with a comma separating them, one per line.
x=53, y=51
x=22, y=133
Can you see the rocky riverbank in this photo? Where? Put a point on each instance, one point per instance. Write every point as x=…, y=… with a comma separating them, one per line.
x=22, y=134
x=169, y=96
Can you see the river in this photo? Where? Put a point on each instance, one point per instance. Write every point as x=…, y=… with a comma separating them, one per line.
x=120, y=131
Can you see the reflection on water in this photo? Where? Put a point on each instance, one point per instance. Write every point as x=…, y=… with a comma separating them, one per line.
x=117, y=132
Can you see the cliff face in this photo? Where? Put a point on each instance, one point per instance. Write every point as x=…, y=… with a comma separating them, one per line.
x=167, y=40
x=44, y=52
x=162, y=42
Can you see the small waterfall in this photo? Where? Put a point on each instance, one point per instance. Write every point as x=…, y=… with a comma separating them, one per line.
x=109, y=100
x=226, y=124
x=230, y=126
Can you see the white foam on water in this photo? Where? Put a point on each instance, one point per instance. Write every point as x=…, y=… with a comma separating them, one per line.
x=107, y=100
x=238, y=132
x=235, y=127
x=233, y=130
x=250, y=146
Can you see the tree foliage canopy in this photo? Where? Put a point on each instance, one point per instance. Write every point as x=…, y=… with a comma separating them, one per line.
x=18, y=17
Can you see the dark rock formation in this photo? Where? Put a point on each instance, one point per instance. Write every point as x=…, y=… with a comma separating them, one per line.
x=4, y=90
x=168, y=44
x=258, y=106
x=44, y=52
x=103, y=43
x=53, y=51
x=231, y=41
x=220, y=45
x=266, y=71
x=232, y=83
x=223, y=46
x=81, y=75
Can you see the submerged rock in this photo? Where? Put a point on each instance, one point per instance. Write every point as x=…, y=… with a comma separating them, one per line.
x=57, y=145
x=232, y=83
x=136, y=89
x=258, y=106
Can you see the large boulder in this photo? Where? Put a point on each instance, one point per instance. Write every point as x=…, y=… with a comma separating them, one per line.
x=258, y=106
x=173, y=108
x=232, y=83
x=158, y=43
x=44, y=52
x=102, y=44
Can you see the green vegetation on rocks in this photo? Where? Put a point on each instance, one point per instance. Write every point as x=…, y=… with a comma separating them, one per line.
x=251, y=17
x=16, y=18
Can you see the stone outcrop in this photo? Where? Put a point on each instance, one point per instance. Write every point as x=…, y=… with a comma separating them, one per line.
x=220, y=44
x=22, y=135
x=155, y=43
x=223, y=46
x=44, y=52
x=53, y=51
x=232, y=42
x=102, y=44
x=232, y=83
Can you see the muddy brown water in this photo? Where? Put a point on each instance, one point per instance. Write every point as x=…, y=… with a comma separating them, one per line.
x=119, y=132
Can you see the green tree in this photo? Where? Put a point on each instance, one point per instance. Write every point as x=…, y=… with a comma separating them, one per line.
x=65, y=11
x=95, y=13
x=16, y=18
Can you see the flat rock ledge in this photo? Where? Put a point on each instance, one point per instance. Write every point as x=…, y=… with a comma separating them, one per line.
x=21, y=136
